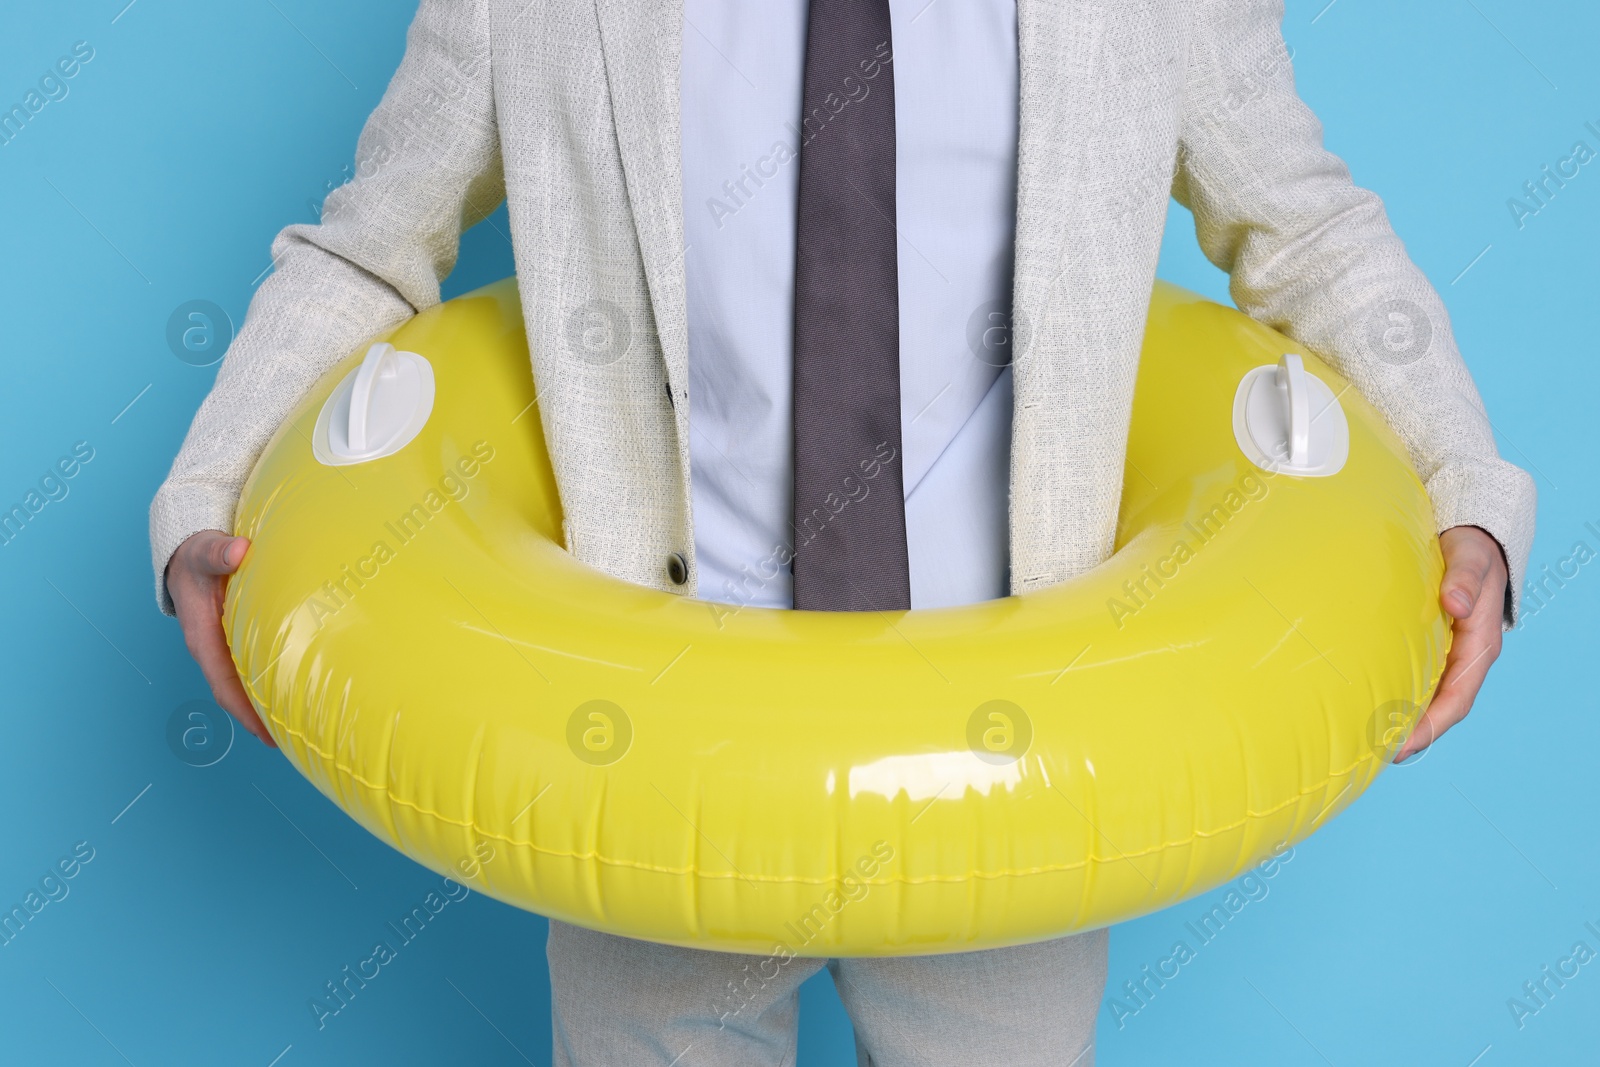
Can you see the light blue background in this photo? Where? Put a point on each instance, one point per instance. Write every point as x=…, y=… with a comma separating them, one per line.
x=222, y=899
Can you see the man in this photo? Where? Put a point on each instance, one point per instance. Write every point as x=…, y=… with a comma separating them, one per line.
x=757, y=243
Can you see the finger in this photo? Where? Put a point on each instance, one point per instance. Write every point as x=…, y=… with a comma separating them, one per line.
x=230, y=695
x=1475, y=648
x=216, y=663
x=200, y=617
x=1468, y=565
x=1453, y=699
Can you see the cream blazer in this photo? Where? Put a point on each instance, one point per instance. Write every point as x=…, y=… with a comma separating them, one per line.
x=568, y=110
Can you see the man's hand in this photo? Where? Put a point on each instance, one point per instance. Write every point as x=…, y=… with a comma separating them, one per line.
x=1474, y=594
x=197, y=578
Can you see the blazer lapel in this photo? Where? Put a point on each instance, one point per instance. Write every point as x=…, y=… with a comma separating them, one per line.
x=1055, y=528
x=642, y=42
x=1059, y=50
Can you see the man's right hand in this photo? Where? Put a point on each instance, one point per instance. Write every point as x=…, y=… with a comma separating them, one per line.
x=197, y=578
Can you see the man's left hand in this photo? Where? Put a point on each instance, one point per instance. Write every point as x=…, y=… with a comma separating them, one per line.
x=1474, y=594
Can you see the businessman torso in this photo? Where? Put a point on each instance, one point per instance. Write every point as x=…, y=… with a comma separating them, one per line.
x=570, y=109
x=588, y=107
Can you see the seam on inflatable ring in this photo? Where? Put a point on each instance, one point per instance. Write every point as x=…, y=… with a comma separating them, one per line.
x=899, y=880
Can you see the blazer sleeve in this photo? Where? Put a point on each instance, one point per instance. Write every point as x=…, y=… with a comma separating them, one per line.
x=427, y=166
x=1314, y=256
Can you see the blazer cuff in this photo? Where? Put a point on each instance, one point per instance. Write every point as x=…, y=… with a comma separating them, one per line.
x=177, y=512
x=1498, y=498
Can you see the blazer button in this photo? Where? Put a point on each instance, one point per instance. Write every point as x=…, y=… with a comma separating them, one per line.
x=677, y=568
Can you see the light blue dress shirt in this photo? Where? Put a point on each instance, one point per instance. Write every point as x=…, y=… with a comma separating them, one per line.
x=955, y=84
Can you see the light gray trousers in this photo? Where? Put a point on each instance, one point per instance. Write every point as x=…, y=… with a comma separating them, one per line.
x=620, y=1001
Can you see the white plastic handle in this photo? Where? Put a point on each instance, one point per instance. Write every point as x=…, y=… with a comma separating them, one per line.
x=1292, y=379
x=361, y=395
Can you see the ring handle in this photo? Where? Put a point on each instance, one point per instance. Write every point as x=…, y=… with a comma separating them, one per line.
x=1292, y=379
x=372, y=367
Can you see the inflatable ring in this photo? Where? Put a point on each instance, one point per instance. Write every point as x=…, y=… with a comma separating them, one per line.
x=807, y=783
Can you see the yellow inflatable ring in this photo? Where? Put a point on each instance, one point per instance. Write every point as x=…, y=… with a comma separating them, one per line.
x=821, y=784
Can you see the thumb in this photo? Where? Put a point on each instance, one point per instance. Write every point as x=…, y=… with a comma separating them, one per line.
x=224, y=554
x=1468, y=563
x=1462, y=587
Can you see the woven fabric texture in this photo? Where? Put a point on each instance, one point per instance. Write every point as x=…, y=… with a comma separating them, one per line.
x=568, y=109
